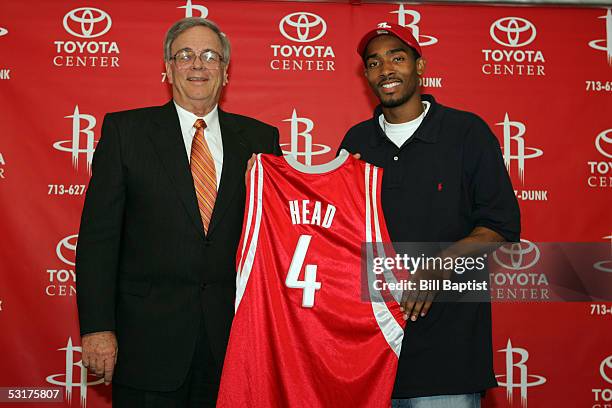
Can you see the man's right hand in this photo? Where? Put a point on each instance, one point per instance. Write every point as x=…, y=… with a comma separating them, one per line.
x=100, y=353
x=250, y=164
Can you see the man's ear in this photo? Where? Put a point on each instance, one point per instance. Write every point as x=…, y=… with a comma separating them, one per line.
x=168, y=72
x=420, y=66
x=225, y=76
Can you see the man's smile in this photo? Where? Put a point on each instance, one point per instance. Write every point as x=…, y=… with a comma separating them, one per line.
x=389, y=85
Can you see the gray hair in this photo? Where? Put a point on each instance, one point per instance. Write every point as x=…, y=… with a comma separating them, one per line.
x=189, y=22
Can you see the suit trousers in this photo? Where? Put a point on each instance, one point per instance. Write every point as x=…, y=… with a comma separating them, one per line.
x=199, y=389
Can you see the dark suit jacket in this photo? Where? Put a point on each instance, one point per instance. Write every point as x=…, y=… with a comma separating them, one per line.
x=145, y=268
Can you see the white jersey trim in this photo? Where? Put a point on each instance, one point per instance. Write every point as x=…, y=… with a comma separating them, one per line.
x=389, y=327
x=249, y=219
x=318, y=168
x=243, y=275
x=380, y=247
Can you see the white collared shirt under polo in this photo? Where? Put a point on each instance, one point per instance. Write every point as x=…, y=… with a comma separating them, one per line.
x=398, y=133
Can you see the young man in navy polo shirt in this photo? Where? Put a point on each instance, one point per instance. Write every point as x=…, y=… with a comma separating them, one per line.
x=444, y=181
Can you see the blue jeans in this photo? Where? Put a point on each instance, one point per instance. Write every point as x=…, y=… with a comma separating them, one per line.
x=439, y=401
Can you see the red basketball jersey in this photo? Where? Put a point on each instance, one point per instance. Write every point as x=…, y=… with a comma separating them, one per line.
x=306, y=333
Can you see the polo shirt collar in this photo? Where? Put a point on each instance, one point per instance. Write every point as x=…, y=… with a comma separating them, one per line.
x=426, y=132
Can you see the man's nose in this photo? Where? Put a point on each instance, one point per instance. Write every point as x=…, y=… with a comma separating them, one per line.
x=197, y=63
x=387, y=67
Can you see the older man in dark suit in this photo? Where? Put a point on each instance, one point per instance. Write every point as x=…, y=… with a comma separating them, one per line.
x=160, y=226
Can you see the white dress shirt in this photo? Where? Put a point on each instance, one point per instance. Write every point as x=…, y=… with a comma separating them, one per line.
x=212, y=135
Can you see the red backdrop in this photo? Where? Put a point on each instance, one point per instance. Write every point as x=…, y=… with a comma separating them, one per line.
x=541, y=77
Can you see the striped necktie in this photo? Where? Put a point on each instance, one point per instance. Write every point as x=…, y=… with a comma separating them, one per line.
x=203, y=172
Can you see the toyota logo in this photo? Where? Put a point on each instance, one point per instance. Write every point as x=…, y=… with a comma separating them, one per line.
x=302, y=27
x=66, y=249
x=606, y=363
x=603, y=136
x=3, y=31
x=513, y=32
x=87, y=22
x=515, y=255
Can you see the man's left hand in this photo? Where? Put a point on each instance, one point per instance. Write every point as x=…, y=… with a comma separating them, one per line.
x=250, y=164
x=416, y=303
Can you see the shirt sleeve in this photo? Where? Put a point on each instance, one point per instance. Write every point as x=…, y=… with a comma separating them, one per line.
x=494, y=203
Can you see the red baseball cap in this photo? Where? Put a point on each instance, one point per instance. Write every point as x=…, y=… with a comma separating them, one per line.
x=403, y=33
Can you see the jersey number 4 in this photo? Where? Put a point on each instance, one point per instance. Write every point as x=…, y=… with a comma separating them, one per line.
x=309, y=285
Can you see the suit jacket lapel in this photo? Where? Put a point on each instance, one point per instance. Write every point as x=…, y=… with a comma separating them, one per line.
x=168, y=142
x=235, y=156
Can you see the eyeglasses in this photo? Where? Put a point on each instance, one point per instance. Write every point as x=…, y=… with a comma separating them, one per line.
x=186, y=57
